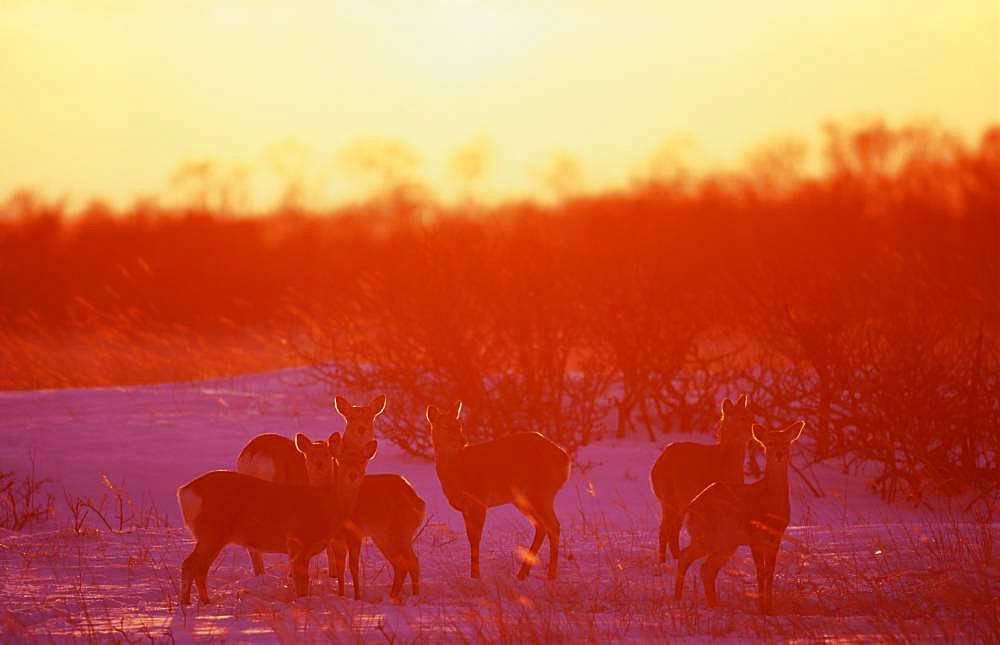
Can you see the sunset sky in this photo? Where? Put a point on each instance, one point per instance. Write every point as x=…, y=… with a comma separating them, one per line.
x=109, y=97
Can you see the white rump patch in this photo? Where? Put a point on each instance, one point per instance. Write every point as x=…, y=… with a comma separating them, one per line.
x=258, y=465
x=190, y=503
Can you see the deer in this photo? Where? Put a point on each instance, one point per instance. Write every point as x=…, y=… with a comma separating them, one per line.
x=275, y=458
x=390, y=512
x=524, y=469
x=727, y=515
x=388, y=508
x=225, y=507
x=685, y=468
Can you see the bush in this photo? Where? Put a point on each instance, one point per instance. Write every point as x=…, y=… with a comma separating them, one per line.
x=865, y=299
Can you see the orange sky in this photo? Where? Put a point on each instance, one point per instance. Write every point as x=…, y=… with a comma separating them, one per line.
x=109, y=97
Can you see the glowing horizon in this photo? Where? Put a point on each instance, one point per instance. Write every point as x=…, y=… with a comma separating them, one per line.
x=493, y=98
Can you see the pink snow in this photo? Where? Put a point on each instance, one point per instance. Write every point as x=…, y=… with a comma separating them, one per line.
x=851, y=566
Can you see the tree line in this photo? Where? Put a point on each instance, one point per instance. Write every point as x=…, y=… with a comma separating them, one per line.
x=865, y=298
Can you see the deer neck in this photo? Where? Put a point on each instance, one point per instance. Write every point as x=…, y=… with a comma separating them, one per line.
x=446, y=462
x=333, y=505
x=349, y=503
x=776, y=487
x=733, y=455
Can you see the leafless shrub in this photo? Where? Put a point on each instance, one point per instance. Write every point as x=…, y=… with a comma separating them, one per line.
x=115, y=509
x=129, y=513
x=23, y=501
x=78, y=509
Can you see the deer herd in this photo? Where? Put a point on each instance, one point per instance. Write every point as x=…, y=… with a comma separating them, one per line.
x=300, y=497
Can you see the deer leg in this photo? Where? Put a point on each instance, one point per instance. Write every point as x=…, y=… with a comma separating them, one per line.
x=664, y=535
x=187, y=577
x=532, y=555
x=670, y=528
x=710, y=570
x=398, y=577
x=685, y=559
x=772, y=555
x=399, y=551
x=391, y=548
x=552, y=528
x=299, y=556
x=399, y=571
x=760, y=562
x=195, y=569
x=536, y=516
x=675, y=535
x=201, y=580
x=300, y=574
x=475, y=517
x=402, y=545
x=257, y=560
x=339, y=548
x=331, y=559
x=414, y=568
x=354, y=551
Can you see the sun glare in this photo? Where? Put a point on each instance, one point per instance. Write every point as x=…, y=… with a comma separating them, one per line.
x=155, y=85
x=453, y=42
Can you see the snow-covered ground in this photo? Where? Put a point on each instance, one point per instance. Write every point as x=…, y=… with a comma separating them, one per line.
x=851, y=566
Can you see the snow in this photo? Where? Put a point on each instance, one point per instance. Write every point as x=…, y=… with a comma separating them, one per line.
x=851, y=566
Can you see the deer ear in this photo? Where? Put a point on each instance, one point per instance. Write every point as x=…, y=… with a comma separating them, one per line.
x=369, y=450
x=302, y=443
x=458, y=409
x=333, y=443
x=743, y=401
x=727, y=407
x=759, y=433
x=794, y=431
x=377, y=405
x=432, y=414
x=342, y=406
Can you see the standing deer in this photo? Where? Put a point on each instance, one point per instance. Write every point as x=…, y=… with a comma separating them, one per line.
x=225, y=507
x=359, y=429
x=390, y=512
x=726, y=515
x=524, y=469
x=278, y=459
x=685, y=468
x=388, y=509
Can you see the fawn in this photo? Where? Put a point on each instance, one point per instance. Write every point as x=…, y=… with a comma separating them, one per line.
x=225, y=507
x=726, y=515
x=390, y=512
x=279, y=459
x=524, y=469
x=685, y=468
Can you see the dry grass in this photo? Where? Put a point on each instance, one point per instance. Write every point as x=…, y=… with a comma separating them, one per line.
x=114, y=353
x=933, y=580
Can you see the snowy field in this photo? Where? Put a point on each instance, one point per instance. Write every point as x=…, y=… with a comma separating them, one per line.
x=851, y=566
